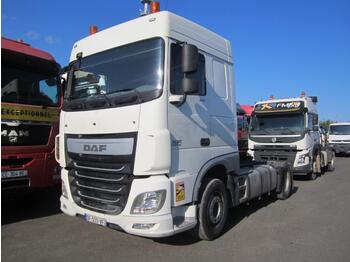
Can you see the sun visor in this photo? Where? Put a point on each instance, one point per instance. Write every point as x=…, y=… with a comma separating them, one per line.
x=280, y=107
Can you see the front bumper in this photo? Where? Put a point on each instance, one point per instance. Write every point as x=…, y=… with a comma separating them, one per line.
x=302, y=170
x=163, y=220
x=42, y=168
x=340, y=147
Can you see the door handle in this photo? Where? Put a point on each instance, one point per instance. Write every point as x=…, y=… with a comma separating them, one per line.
x=205, y=141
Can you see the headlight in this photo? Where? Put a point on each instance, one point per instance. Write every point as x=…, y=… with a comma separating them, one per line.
x=148, y=202
x=57, y=148
x=64, y=190
x=302, y=159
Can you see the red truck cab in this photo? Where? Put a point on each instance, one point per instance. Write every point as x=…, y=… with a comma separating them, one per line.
x=243, y=119
x=31, y=97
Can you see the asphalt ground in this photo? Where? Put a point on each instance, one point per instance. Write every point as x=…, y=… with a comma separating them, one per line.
x=312, y=225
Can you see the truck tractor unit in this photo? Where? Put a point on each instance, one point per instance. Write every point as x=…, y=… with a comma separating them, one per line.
x=288, y=130
x=148, y=131
x=30, y=103
x=339, y=137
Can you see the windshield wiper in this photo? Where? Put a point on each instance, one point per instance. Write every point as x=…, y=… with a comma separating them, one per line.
x=121, y=100
x=261, y=132
x=287, y=129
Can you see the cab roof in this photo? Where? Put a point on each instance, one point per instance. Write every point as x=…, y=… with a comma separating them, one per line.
x=24, y=48
x=340, y=124
x=161, y=24
x=308, y=102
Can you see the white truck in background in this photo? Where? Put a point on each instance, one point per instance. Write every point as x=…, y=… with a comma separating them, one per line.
x=339, y=137
x=148, y=131
x=288, y=130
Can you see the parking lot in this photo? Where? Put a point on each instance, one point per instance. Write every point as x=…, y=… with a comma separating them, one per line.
x=312, y=225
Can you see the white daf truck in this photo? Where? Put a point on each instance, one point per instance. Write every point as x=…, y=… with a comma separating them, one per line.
x=148, y=135
x=339, y=137
x=288, y=130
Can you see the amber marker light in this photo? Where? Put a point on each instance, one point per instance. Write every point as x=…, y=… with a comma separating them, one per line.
x=93, y=29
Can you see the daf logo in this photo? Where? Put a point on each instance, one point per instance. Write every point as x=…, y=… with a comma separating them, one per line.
x=94, y=148
x=273, y=140
x=14, y=134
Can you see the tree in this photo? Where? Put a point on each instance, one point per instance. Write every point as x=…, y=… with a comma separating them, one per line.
x=326, y=123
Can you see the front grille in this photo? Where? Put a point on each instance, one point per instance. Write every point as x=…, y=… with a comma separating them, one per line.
x=105, y=192
x=100, y=183
x=24, y=135
x=275, y=153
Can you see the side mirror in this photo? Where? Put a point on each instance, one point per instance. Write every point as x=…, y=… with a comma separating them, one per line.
x=189, y=58
x=51, y=81
x=190, y=86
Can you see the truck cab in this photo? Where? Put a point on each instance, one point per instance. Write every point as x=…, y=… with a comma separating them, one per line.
x=287, y=129
x=30, y=101
x=148, y=131
x=339, y=137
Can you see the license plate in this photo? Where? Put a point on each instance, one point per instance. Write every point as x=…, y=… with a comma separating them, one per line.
x=95, y=220
x=14, y=173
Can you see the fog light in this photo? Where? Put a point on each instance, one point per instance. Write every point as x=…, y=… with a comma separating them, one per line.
x=149, y=202
x=143, y=226
x=64, y=190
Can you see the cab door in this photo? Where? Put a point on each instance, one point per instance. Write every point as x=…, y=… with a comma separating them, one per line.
x=188, y=121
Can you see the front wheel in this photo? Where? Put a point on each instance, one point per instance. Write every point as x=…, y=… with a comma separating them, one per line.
x=212, y=212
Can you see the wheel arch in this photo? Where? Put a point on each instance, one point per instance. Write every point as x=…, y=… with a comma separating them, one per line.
x=220, y=167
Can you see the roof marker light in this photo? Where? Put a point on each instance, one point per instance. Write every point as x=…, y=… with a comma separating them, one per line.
x=155, y=7
x=93, y=29
x=302, y=94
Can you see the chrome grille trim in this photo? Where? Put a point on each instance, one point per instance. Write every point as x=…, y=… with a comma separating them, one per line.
x=99, y=178
x=98, y=188
x=98, y=168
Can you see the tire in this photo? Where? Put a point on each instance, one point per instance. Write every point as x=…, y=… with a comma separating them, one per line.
x=331, y=165
x=287, y=186
x=213, y=210
x=313, y=174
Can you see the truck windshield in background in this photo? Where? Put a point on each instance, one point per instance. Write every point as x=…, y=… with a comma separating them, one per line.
x=339, y=130
x=135, y=69
x=24, y=87
x=278, y=124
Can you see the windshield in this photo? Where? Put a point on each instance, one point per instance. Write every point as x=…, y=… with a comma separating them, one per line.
x=279, y=124
x=339, y=130
x=136, y=68
x=24, y=87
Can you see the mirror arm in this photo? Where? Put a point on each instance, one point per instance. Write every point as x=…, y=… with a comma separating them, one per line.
x=177, y=100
